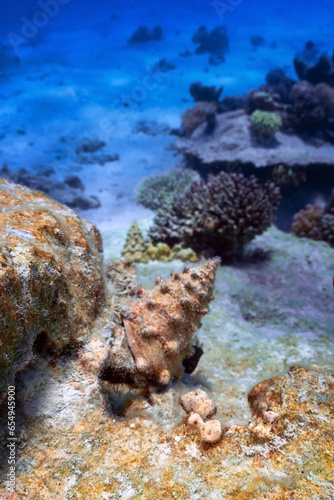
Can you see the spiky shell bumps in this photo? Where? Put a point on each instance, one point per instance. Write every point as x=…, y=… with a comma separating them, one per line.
x=162, y=321
x=54, y=285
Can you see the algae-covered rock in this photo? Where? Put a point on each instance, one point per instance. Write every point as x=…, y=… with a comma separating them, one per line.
x=51, y=276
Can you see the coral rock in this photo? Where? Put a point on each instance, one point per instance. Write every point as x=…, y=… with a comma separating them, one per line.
x=51, y=276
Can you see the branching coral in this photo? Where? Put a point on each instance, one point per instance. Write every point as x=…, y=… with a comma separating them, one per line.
x=315, y=223
x=306, y=223
x=218, y=216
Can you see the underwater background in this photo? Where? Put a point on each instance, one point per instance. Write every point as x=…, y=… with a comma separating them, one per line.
x=70, y=75
x=182, y=131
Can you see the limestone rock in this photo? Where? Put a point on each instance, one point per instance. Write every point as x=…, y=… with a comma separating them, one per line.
x=232, y=143
x=51, y=277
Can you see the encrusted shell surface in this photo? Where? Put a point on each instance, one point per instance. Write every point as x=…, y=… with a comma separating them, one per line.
x=162, y=321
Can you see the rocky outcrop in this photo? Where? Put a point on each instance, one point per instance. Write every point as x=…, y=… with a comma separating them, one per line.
x=51, y=277
x=231, y=144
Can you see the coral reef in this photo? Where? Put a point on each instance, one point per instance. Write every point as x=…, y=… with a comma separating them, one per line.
x=200, y=113
x=143, y=34
x=71, y=442
x=213, y=42
x=164, y=65
x=321, y=71
x=70, y=192
x=51, y=281
x=89, y=146
x=218, y=216
x=207, y=93
x=265, y=124
x=159, y=190
x=278, y=84
x=312, y=108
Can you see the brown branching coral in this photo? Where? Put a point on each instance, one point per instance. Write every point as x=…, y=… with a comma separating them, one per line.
x=315, y=223
x=218, y=216
x=306, y=223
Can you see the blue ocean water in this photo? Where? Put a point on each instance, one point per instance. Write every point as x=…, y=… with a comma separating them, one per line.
x=68, y=74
